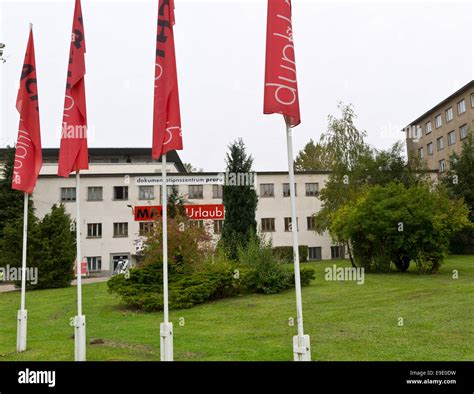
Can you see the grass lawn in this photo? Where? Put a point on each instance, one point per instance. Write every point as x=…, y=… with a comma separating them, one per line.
x=346, y=321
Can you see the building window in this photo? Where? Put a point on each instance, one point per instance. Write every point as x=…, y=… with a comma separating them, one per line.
x=440, y=143
x=429, y=149
x=442, y=166
x=438, y=121
x=94, y=230
x=120, y=192
x=266, y=190
x=288, y=226
x=145, y=228
x=472, y=100
x=461, y=107
x=94, y=193
x=94, y=263
x=312, y=189
x=218, y=224
x=146, y=192
x=121, y=229
x=170, y=189
x=451, y=138
x=196, y=191
x=286, y=190
x=449, y=114
x=428, y=127
x=463, y=131
x=314, y=253
x=268, y=224
x=217, y=191
x=311, y=223
x=420, y=153
x=68, y=194
x=337, y=252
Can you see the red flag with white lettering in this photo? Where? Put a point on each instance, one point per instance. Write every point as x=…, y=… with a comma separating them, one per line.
x=73, y=153
x=281, y=88
x=28, y=155
x=166, y=116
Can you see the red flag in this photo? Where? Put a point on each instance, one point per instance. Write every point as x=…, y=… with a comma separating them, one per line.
x=28, y=155
x=73, y=154
x=281, y=88
x=166, y=117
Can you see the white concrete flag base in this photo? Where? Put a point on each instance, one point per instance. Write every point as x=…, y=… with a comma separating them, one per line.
x=21, y=330
x=301, y=348
x=166, y=341
x=80, y=338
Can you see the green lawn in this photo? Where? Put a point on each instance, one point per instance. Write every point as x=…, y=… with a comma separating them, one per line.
x=346, y=321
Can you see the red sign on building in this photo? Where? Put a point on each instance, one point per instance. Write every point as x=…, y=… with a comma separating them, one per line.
x=194, y=212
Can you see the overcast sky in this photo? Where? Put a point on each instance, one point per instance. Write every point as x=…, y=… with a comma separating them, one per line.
x=392, y=60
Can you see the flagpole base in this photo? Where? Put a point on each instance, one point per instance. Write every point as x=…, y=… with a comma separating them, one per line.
x=80, y=338
x=166, y=341
x=21, y=330
x=301, y=348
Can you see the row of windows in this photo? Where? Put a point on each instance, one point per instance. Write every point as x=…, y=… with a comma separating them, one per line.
x=120, y=193
x=120, y=229
x=267, y=225
x=451, y=137
x=268, y=189
x=94, y=263
x=94, y=230
x=448, y=115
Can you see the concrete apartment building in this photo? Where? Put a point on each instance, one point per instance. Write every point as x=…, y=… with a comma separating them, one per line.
x=109, y=192
x=440, y=131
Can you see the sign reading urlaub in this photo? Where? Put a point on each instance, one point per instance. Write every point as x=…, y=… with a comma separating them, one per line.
x=194, y=212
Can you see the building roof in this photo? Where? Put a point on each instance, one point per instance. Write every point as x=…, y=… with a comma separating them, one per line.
x=52, y=154
x=441, y=104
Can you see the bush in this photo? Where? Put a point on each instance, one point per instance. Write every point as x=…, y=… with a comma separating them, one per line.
x=144, y=287
x=269, y=272
x=285, y=253
x=306, y=276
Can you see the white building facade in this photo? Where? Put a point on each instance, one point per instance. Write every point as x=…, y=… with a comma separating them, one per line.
x=109, y=193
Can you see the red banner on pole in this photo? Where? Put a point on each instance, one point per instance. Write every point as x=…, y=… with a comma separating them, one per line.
x=281, y=88
x=28, y=155
x=193, y=212
x=166, y=115
x=73, y=154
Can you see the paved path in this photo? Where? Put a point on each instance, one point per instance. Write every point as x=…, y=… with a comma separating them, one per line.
x=7, y=287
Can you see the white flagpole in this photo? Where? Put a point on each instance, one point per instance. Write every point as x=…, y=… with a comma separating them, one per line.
x=166, y=328
x=301, y=342
x=22, y=313
x=80, y=319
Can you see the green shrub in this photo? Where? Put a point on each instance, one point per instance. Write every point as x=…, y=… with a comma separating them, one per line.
x=144, y=287
x=269, y=272
x=285, y=253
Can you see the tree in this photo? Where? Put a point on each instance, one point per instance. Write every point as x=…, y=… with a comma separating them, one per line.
x=51, y=248
x=57, y=250
x=355, y=165
x=343, y=142
x=459, y=181
x=460, y=177
x=176, y=205
x=190, y=168
x=396, y=223
x=240, y=202
x=311, y=158
x=11, y=201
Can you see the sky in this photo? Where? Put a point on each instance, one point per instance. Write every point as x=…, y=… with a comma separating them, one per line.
x=392, y=60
